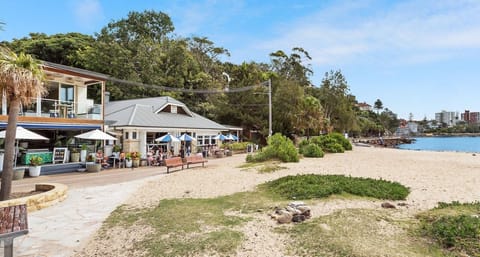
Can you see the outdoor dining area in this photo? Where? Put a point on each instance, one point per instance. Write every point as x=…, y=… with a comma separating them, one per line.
x=95, y=150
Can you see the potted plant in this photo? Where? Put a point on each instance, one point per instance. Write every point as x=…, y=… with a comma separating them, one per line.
x=83, y=153
x=74, y=155
x=128, y=160
x=116, y=150
x=91, y=165
x=34, y=169
x=135, y=159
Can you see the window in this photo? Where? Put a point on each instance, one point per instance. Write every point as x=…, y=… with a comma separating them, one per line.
x=173, y=108
x=67, y=93
x=134, y=135
x=126, y=135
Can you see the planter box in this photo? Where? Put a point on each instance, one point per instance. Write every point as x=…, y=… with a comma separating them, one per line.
x=74, y=157
x=95, y=167
x=18, y=173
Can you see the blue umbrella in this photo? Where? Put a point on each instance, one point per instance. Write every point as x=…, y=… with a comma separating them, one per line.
x=231, y=137
x=220, y=137
x=167, y=138
x=186, y=138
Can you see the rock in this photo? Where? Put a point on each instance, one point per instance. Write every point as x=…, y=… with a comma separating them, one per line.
x=388, y=205
x=298, y=218
x=295, y=204
x=285, y=217
x=402, y=204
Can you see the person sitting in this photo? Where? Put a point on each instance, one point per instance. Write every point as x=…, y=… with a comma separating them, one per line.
x=105, y=163
x=150, y=159
x=99, y=156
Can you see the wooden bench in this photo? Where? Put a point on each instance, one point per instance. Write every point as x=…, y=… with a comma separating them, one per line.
x=196, y=159
x=13, y=223
x=173, y=162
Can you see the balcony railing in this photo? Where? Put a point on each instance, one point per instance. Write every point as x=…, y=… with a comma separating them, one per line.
x=62, y=109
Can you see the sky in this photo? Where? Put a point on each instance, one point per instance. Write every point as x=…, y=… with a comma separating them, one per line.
x=418, y=57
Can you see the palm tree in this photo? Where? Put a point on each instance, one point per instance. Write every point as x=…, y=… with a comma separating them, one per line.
x=21, y=79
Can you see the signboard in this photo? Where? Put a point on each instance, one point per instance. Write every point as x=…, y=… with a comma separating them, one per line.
x=59, y=155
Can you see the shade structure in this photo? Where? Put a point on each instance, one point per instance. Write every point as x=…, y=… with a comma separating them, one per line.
x=220, y=137
x=231, y=137
x=23, y=133
x=95, y=135
x=167, y=138
x=186, y=138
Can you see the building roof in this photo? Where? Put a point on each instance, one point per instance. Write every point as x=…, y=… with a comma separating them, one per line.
x=150, y=112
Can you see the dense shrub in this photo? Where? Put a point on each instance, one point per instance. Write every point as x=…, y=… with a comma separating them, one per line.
x=318, y=186
x=312, y=150
x=342, y=141
x=302, y=145
x=455, y=226
x=238, y=146
x=279, y=147
x=332, y=143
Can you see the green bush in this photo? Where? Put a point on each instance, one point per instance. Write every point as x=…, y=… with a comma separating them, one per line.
x=318, y=186
x=312, y=150
x=455, y=226
x=302, y=145
x=342, y=141
x=238, y=146
x=279, y=147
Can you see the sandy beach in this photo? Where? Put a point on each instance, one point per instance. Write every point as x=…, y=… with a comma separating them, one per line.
x=431, y=176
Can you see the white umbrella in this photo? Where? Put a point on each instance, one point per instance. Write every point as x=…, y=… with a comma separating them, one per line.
x=23, y=133
x=95, y=135
x=167, y=138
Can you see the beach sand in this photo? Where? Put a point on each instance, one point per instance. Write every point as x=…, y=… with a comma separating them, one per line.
x=431, y=176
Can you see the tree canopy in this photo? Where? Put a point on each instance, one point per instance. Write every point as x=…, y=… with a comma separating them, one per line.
x=143, y=48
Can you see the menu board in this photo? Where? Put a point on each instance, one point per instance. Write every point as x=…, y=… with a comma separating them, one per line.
x=59, y=155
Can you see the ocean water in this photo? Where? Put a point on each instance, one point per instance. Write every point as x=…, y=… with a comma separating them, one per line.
x=450, y=144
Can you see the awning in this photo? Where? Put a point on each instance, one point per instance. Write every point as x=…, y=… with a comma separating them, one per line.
x=55, y=126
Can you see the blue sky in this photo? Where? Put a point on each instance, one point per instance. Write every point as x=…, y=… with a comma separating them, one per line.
x=418, y=57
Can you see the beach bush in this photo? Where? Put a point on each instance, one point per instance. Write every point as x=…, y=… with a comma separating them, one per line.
x=238, y=146
x=455, y=226
x=279, y=147
x=332, y=143
x=302, y=144
x=318, y=186
x=312, y=150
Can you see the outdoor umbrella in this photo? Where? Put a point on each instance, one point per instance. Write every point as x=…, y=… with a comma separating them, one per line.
x=220, y=137
x=23, y=133
x=186, y=138
x=230, y=137
x=95, y=135
x=167, y=138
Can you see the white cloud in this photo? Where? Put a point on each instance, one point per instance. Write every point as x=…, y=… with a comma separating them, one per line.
x=87, y=13
x=410, y=31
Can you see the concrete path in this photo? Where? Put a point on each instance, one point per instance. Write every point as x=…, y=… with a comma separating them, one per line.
x=59, y=230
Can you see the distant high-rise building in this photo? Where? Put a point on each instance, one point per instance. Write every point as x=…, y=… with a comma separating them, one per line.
x=471, y=117
x=447, y=119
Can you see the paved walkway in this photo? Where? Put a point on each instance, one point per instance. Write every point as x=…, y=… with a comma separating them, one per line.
x=59, y=230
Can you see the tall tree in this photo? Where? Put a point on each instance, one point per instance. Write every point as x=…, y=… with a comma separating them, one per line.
x=378, y=105
x=21, y=79
x=338, y=103
x=310, y=118
x=58, y=48
x=292, y=67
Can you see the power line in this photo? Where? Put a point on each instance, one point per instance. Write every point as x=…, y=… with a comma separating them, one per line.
x=185, y=90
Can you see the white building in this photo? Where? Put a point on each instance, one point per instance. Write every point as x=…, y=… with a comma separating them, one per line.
x=448, y=119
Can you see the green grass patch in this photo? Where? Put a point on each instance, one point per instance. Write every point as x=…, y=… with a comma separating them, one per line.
x=184, y=227
x=319, y=186
x=455, y=226
x=356, y=233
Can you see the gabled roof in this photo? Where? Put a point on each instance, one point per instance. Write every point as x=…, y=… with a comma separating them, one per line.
x=146, y=112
